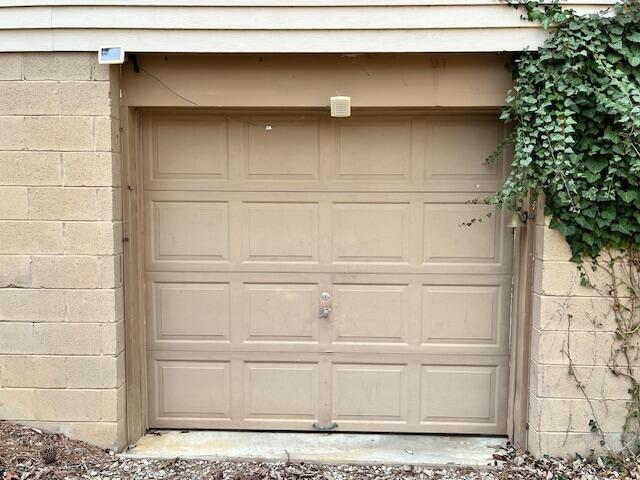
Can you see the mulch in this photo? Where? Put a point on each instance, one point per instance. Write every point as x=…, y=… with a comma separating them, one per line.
x=28, y=453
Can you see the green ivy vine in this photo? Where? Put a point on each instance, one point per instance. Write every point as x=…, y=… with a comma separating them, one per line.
x=575, y=107
x=574, y=112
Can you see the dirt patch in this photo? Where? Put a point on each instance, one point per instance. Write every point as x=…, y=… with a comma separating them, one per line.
x=29, y=454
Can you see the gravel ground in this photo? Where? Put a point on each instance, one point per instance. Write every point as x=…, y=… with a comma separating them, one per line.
x=29, y=454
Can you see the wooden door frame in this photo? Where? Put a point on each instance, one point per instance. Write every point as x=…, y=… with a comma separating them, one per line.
x=521, y=298
x=135, y=317
x=135, y=314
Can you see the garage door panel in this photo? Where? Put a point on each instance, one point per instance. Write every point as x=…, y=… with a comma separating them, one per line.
x=457, y=149
x=255, y=222
x=465, y=314
x=280, y=232
x=369, y=393
x=186, y=148
x=434, y=393
x=390, y=314
x=281, y=149
x=281, y=390
x=374, y=149
x=330, y=232
x=365, y=232
x=448, y=239
x=190, y=311
x=446, y=397
x=275, y=312
x=428, y=152
x=187, y=231
x=366, y=313
x=192, y=389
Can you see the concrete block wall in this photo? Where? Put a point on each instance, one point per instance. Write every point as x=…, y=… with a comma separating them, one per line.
x=61, y=291
x=61, y=296
x=569, y=317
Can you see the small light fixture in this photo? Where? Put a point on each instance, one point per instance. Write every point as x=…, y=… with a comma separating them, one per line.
x=110, y=55
x=340, y=106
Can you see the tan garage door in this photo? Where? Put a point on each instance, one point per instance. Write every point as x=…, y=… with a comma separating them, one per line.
x=256, y=223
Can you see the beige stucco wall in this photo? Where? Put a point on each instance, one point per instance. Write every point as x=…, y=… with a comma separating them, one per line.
x=569, y=317
x=61, y=310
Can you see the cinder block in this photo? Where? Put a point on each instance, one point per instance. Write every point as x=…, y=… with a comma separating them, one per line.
x=27, y=371
x=58, y=66
x=86, y=98
x=113, y=338
x=585, y=348
x=10, y=66
x=113, y=404
x=14, y=203
x=110, y=271
x=551, y=245
x=111, y=435
x=91, y=169
x=99, y=238
x=74, y=405
x=554, y=381
x=16, y=338
x=121, y=368
x=15, y=271
x=12, y=133
x=31, y=237
x=65, y=272
x=22, y=305
x=110, y=203
x=101, y=71
x=99, y=306
x=114, y=80
x=16, y=404
x=94, y=371
x=59, y=133
x=586, y=313
x=30, y=168
x=107, y=134
x=567, y=444
x=78, y=372
x=68, y=339
x=575, y=415
x=73, y=203
x=30, y=98
x=562, y=279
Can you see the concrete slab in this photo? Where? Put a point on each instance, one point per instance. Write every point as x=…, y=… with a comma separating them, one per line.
x=333, y=448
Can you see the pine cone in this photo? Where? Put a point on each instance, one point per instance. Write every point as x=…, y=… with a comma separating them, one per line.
x=49, y=455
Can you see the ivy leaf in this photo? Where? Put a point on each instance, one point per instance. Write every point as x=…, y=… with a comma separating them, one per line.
x=622, y=228
x=608, y=213
x=575, y=108
x=595, y=166
x=634, y=37
x=563, y=228
x=628, y=196
x=590, y=239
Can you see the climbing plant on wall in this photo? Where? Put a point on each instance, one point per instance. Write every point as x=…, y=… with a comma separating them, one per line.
x=574, y=110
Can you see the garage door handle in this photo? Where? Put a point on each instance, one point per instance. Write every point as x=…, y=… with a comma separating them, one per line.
x=325, y=311
x=324, y=428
